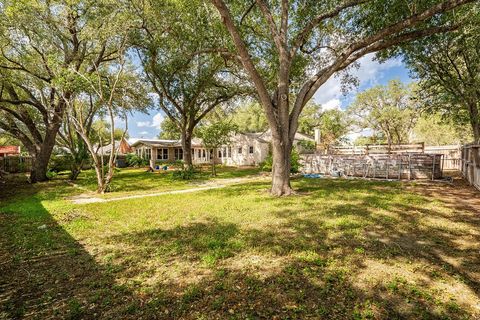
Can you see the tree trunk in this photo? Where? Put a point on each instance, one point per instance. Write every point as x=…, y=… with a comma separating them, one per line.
x=281, y=166
x=39, y=169
x=474, y=120
x=98, y=171
x=187, y=147
x=75, y=169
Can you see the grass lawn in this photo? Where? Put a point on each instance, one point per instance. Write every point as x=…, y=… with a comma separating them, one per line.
x=341, y=249
x=132, y=181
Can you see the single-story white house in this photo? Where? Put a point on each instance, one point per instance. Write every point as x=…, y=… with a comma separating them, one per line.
x=245, y=149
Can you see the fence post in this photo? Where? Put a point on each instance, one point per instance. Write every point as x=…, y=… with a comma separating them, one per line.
x=388, y=166
x=433, y=166
x=400, y=168
x=409, y=166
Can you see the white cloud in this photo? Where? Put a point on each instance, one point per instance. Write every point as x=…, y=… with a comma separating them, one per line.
x=331, y=104
x=157, y=119
x=155, y=123
x=367, y=74
x=141, y=124
x=144, y=132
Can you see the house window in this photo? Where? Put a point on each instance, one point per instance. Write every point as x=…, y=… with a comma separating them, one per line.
x=204, y=154
x=162, y=154
x=229, y=152
x=250, y=149
x=199, y=153
x=219, y=153
x=193, y=153
x=148, y=154
x=239, y=150
x=178, y=154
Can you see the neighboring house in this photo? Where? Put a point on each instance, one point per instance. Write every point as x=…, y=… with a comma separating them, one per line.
x=170, y=150
x=9, y=151
x=245, y=149
x=250, y=149
x=122, y=146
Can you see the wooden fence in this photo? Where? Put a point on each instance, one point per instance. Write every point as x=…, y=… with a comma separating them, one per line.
x=471, y=164
x=451, y=159
x=376, y=149
x=452, y=156
x=15, y=164
x=382, y=166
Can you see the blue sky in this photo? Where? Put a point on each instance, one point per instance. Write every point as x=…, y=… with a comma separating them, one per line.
x=369, y=74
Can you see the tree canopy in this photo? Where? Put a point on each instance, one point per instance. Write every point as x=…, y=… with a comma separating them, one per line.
x=174, y=44
x=43, y=45
x=250, y=117
x=391, y=110
x=289, y=49
x=448, y=68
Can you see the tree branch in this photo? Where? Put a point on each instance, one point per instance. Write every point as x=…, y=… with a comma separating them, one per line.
x=303, y=35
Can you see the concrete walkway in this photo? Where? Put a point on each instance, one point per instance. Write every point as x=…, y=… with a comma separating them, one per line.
x=85, y=199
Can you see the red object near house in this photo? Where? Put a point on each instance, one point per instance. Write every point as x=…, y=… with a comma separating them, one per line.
x=9, y=150
x=124, y=147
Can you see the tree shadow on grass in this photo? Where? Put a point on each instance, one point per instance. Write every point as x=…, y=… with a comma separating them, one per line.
x=309, y=264
x=293, y=271
x=47, y=274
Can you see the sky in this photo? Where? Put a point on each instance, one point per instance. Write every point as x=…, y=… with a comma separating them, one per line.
x=369, y=74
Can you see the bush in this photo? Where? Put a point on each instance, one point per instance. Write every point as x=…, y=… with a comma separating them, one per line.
x=184, y=174
x=51, y=174
x=59, y=162
x=266, y=165
x=295, y=162
x=307, y=145
x=133, y=160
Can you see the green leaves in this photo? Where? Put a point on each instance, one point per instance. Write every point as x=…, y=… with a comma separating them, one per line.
x=216, y=134
x=391, y=110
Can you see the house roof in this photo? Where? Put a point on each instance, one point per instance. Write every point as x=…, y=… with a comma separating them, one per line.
x=122, y=146
x=262, y=137
x=10, y=149
x=267, y=136
x=158, y=143
x=302, y=136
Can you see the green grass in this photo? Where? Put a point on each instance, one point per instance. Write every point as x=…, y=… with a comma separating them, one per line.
x=131, y=181
x=340, y=249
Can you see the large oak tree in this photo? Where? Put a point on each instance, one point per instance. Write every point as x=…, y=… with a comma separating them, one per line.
x=174, y=44
x=42, y=45
x=291, y=48
x=391, y=110
x=448, y=66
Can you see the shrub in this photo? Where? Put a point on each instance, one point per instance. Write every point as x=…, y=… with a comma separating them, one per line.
x=134, y=160
x=59, y=162
x=51, y=174
x=295, y=162
x=307, y=145
x=184, y=174
x=266, y=165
